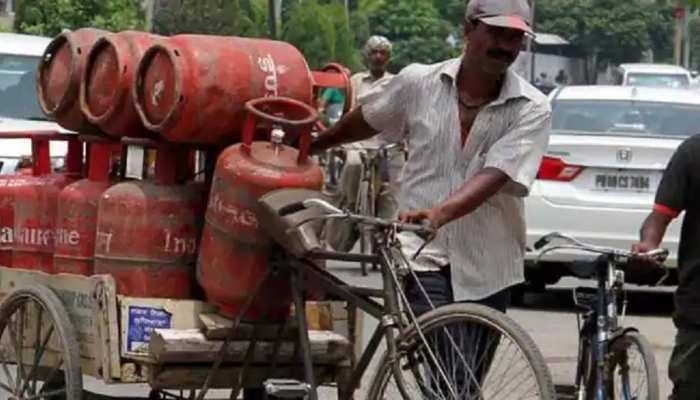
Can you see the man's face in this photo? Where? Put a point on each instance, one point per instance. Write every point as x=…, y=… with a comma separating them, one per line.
x=493, y=48
x=378, y=59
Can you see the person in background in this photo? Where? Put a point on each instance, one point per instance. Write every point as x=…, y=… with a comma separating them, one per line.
x=679, y=191
x=561, y=79
x=331, y=105
x=341, y=235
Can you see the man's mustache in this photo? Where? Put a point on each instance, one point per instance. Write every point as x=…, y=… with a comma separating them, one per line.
x=500, y=54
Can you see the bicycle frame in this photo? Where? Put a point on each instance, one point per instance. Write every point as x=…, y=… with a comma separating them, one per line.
x=391, y=323
x=594, y=344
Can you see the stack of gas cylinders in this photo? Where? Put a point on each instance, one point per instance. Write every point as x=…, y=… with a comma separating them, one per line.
x=176, y=139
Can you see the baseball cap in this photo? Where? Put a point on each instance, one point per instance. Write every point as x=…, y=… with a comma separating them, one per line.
x=514, y=14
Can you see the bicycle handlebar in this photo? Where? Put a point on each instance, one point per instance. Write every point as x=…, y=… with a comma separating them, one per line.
x=332, y=211
x=658, y=255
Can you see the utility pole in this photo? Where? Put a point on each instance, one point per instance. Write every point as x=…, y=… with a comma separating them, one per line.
x=271, y=18
x=686, y=37
x=679, y=14
x=531, y=42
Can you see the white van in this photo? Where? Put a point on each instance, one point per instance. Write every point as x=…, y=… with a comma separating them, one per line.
x=19, y=107
x=653, y=75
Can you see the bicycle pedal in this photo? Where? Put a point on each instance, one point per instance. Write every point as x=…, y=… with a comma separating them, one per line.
x=286, y=388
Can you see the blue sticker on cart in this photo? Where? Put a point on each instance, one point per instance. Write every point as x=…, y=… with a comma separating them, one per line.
x=142, y=322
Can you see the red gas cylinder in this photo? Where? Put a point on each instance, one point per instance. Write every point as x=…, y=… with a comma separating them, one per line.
x=234, y=250
x=147, y=233
x=60, y=73
x=76, y=221
x=35, y=212
x=333, y=75
x=105, y=96
x=9, y=184
x=193, y=88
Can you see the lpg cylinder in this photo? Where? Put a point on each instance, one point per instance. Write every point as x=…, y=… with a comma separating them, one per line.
x=147, y=232
x=76, y=221
x=105, y=96
x=192, y=88
x=59, y=79
x=10, y=183
x=35, y=212
x=234, y=250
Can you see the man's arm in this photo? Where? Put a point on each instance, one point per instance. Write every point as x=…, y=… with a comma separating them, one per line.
x=652, y=232
x=351, y=128
x=511, y=164
x=473, y=194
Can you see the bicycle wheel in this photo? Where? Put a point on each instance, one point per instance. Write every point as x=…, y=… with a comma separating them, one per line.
x=39, y=353
x=465, y=352
x=633, y=373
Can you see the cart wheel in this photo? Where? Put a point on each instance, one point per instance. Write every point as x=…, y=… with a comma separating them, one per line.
x=39, y=353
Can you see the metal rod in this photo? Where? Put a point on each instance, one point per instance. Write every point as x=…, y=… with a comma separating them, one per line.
x=366, y=357
x=300, y=312
x=336, y=287
x=223, y=351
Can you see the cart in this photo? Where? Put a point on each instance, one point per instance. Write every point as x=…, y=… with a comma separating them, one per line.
x=73, y=326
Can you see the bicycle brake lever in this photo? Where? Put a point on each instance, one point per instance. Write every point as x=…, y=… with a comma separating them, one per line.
x=420, y=249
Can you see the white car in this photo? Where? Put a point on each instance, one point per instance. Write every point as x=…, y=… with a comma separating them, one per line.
x=607, y=153
x=654, y=75
x=19, y=107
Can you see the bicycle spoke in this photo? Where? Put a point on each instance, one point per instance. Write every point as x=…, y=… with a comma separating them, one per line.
x=18, y=351
x=52, y=374
x=37, y=359
x=39, y=320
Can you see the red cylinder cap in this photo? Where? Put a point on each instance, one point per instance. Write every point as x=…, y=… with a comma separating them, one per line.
x=54, y=80
x=158, y=89
x=101, y=81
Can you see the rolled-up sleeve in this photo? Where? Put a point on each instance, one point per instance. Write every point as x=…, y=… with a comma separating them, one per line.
x=385, y=106
x=519, y=152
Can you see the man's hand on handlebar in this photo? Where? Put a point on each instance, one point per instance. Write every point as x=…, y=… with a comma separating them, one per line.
x=430, y=217
x=645, y=268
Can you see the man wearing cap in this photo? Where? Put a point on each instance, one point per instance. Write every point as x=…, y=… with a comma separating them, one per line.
x=342, y=235
x=476, y=133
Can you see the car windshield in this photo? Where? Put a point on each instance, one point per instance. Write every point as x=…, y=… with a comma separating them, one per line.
x=18, y=87
x=674, y=81
x=625, y=118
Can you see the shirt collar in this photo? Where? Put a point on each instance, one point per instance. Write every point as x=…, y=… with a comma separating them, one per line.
x=367, y=76
x=512, y=88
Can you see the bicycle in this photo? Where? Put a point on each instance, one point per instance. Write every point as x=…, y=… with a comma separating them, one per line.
x=605, y=364
x=375, y=165
x=460, y=351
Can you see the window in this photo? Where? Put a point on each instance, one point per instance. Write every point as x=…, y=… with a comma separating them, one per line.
x=625, y=118
x=18, y=97
x=658, y=80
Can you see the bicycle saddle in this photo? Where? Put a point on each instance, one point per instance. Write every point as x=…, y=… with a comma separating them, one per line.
x=298, y=240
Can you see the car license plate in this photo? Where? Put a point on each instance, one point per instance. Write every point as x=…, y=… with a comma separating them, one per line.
x=625, y=182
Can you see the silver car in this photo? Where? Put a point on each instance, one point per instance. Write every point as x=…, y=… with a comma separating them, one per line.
x=19, y=106
x=607, y=153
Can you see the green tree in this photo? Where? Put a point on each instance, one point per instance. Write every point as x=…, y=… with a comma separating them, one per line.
x=344, y=50
x=50, y=17
x=309, y=27
x=416, y=29
x=608, y=31
x=213, y=17
x=322, y=33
